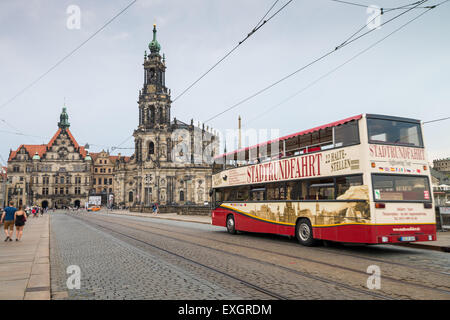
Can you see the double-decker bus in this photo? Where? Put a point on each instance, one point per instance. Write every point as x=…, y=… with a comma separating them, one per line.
x=364, y=179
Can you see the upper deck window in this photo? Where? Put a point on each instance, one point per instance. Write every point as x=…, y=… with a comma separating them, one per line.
x=394, y=132
x=346, y=134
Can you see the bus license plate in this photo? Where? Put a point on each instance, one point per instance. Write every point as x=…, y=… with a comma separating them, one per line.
x=407, y=238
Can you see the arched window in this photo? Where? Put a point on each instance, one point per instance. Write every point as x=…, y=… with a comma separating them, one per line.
x=130, y=196
x=181, y=195
x=151, y=148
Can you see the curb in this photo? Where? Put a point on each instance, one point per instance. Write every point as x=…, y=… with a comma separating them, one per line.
x=158, y=217
x=38, y=286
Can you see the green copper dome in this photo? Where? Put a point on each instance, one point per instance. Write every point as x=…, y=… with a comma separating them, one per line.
x=36, y=156
x=154, y=46
x=88, y=157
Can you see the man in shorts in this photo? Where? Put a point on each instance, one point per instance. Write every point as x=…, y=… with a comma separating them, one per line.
x=8, y=219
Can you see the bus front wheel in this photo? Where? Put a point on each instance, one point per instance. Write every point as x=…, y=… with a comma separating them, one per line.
x=231, y=227
x=304, y=233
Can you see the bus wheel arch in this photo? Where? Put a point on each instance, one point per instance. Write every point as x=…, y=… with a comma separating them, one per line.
x=304, y=232
x=231, y=224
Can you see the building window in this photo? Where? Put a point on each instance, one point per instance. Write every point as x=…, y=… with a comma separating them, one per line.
x=96, y=170
x=181, y=195
x=105, y=181
x=110, y=180
x=95, y=180
x=130, y=196
x=151, y=148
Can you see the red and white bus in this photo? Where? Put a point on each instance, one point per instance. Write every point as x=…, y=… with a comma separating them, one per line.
x=364, y=179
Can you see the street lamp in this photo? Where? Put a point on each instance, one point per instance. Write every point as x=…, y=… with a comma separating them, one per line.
x=6, y=182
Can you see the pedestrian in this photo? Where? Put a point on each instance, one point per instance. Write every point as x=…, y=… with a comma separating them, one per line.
x=19, y=219
x=33, y=211
x=156, y=208
x=8, y=219
x=41, y=211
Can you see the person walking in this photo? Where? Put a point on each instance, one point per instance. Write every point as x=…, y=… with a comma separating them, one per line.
x=8, y=219
x=19, y=221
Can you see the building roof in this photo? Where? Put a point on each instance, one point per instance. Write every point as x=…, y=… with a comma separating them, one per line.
x=41, y=149
x=113, y=159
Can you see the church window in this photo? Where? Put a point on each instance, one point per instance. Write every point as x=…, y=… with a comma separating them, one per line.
x=130, y=196
x=181, y=195
x=151, y=148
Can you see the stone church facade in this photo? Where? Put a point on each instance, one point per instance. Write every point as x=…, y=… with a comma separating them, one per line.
x=171, y=162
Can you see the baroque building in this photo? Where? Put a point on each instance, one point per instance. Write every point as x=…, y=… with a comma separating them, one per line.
x=171, y=162
x=53, y=175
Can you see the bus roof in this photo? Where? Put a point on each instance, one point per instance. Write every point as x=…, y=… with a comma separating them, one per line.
x=233, y=154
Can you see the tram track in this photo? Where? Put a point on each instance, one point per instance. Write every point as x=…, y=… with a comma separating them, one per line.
x=360, y=257
x=297, y=272
x=385, y=277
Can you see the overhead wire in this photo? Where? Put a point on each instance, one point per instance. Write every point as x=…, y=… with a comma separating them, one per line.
x=261, y=23
x=66, y=56
x=306, y=66
x=334, y=70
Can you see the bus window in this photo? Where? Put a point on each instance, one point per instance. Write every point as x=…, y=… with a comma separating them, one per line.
x=321, y=189
x=394, y=132
x=257, y=194
x=343, y=184
x=346, y=134
x=242, y=194
x=294, y=190
x=217, y=198
x=400, y=188
x=276, y=191
x=228, y=194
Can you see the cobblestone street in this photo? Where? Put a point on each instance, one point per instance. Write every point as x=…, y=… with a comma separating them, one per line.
x=126, y=257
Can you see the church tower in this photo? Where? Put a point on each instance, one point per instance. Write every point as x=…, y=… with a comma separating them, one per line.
x=154, y=98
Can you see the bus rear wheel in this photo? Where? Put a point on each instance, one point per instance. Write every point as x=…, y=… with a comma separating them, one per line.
x=231, y=227
x=304, y=233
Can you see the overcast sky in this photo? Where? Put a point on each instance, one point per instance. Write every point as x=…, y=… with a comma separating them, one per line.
x=406, y=75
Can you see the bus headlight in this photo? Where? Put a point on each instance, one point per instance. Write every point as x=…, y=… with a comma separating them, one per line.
x=384, y=239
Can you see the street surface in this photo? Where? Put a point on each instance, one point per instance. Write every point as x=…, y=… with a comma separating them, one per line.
x=127, y=257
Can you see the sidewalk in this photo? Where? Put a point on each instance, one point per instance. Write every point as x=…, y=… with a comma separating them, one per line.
x=168, y=216
x=24, y=265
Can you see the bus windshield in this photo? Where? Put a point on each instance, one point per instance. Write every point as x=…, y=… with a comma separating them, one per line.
x=394, y=132
x=400, y=188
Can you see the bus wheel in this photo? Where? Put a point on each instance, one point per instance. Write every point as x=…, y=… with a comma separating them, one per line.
x=231, y=228
x=304, y=233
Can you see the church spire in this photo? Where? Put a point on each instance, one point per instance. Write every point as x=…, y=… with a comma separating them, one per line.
x=154, y=46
